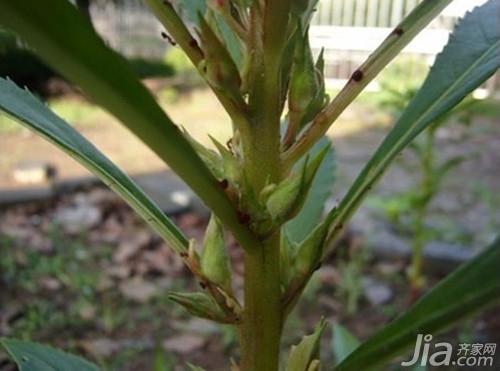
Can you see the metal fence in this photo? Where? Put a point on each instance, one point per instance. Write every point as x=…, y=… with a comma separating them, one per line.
x=349, y=30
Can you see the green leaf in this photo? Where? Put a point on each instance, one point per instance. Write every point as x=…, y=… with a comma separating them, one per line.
x=471, y=56
x=33, y=114
x=468, y=289
x=343, y=343
x=191, y=8
x=67, y=41
x=307, y=351
x=299, y=227
x=37, y=357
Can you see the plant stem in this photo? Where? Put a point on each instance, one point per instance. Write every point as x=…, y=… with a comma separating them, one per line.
x=261, y=328
x=426, y=191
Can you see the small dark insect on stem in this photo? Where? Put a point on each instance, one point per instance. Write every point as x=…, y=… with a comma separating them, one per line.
x=223, y=184
x=398, y=31
x=357, y=75
x=168, y=38
x=193, y=43
x=243, y=218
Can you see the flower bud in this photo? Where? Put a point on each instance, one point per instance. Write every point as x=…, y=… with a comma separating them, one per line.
x=230, y=164
x=211, y=159
x=287, y=198
x=214, y=260
x=307, y=87
x=310, y=251
x=221, y=71
x=282, y=199
x=303, y=81
x=305, y=356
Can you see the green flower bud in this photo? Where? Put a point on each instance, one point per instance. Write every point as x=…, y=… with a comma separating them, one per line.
x=303, y=10
x=310, y=251
x=307, y=87
x=303, y=80
x=214, y=260
x=213, y=161
x=314, y=365
x=320, y=99
x=306, y=354
x=199, y=305
x=230, y=163
x=220, y=69
x=283, y=198
x=288, y=197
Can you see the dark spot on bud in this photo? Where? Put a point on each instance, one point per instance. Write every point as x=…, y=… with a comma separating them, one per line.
x=317, y=267
x=166, y=3
x=340, y=226
x=184, y=254
x=357, y=75
x=398, y=31
x=203, y=285
x=243, y=218
x=223, y=183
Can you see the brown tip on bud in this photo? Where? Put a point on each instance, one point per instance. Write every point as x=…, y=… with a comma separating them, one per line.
x=243, y=218
x=184, y=254
x=398, y=31
x=357, y=75
x=223, y=183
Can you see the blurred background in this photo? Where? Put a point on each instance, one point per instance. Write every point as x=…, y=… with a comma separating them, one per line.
x=79, y=270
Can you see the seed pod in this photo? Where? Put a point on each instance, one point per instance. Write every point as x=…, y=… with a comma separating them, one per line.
x=221, y=71
x=199, y=305
x=214, y=260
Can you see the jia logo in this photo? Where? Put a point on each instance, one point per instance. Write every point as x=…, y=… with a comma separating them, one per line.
x=441, y=353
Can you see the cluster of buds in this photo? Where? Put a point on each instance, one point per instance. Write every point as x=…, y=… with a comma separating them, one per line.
x=223, y=55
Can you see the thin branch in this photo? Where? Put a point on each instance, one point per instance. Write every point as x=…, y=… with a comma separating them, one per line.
x=419, y=18
x=167, y=15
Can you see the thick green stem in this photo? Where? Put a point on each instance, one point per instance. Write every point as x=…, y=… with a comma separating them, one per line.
x=262, y=318
x=261, y=328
